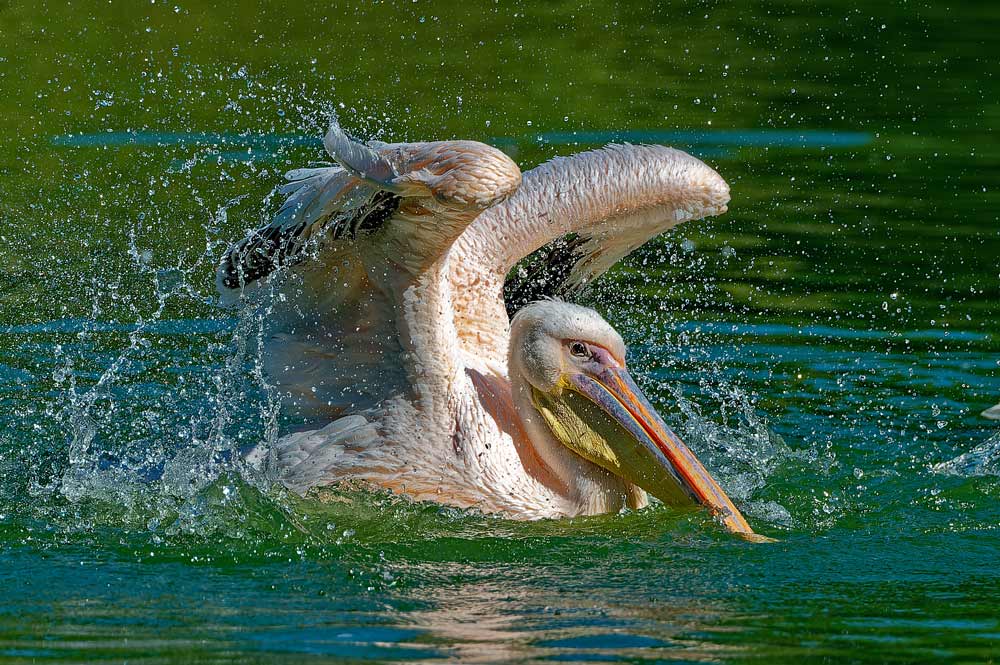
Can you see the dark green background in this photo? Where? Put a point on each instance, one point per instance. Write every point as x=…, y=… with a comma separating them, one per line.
x=822, y=346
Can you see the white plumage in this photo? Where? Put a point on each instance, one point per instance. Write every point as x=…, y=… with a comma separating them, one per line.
x=389, y=337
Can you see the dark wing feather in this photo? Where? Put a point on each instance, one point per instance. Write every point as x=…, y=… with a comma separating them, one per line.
x=323, y=204
x=546, y=273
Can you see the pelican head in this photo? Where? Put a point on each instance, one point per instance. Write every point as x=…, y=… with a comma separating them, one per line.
x=571, y=363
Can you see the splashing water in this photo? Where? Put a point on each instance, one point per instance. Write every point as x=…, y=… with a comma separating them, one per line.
x=983, y=460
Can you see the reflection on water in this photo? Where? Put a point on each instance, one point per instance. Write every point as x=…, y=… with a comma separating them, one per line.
x=507, y=615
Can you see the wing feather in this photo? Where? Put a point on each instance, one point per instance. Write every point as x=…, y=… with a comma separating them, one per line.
x=322, y=204
x=546, y=273
x=573, y=218
x=338, y=257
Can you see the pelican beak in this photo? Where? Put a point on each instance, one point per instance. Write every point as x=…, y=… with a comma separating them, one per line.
x=626, y=436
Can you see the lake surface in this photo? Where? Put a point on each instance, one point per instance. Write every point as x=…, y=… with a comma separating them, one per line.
x=826, y=347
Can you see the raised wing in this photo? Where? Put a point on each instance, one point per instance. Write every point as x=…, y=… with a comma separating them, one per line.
x=339, y=258
x=573, y=218
x=452, y=180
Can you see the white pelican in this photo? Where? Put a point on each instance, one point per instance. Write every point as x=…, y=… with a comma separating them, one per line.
x=390, y=341
x=993, y=413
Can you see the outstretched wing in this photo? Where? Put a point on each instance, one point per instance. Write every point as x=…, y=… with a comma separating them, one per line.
x=345, y=244
x=571, y=220
x=595, y=208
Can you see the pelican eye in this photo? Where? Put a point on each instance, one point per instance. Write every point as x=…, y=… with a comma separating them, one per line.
x=579, y=349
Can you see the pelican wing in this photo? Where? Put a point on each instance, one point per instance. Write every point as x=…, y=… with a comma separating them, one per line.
x=570, y=221
x=595, y=208
x=450, y=180
x=340, y=254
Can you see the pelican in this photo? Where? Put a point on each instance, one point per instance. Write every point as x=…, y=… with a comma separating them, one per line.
x=993, y=413
x=411, y=355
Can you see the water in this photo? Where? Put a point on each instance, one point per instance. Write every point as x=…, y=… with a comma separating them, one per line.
x=826, y=347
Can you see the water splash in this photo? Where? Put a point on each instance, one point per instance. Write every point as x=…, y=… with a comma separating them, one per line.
x=153, y=411
x=983, y=460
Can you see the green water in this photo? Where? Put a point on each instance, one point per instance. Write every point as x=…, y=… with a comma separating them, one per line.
x=826, y=347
